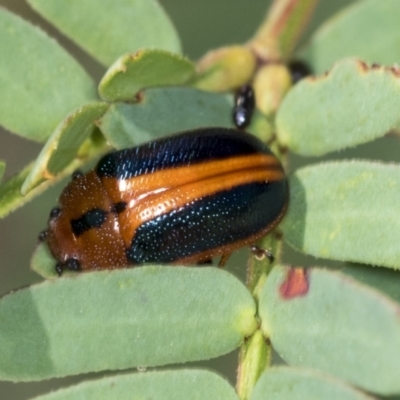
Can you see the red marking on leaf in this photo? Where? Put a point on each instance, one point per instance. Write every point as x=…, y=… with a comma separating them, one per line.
x=296, y=283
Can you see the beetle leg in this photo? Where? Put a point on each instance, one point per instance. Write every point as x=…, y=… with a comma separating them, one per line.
x=43, y=235
x=59, y=268
x=223, y=260
x=260, y=253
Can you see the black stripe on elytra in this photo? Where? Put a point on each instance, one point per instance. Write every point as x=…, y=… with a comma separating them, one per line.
x=220, y=219
x=184, y=149
x=92, y=219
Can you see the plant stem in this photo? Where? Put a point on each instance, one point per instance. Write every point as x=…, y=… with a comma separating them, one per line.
x=254, y=357
x=274, y=41
x=255, y=353
x=281, y=29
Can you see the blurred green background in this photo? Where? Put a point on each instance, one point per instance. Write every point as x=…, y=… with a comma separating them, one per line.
x=202, y=26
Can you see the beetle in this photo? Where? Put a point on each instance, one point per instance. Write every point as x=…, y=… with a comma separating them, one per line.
x=178, y=200
x=244, y=106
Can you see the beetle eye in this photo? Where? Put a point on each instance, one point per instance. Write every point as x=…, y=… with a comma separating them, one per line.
x=55, y=212
x=73, y=264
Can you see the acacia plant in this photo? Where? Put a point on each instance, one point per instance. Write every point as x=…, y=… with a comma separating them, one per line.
x=337, y=328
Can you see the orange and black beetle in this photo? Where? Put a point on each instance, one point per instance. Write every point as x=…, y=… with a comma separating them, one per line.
x=178, y=200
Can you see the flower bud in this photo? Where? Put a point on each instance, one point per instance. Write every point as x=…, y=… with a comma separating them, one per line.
x=225, y=69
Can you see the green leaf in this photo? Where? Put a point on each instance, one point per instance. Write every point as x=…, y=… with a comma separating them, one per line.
x=62, y=146
x=2, y=169
x=351, y=105
x=10, y=190
x=164, y=111
x=383, y=279
x=346, y=211
x=146, y=68
x=284, y=383
x=111, y=28
x=161, y=385
x=367, y=29
x=326, y=320
x=140, y=317
x=40, y=82
x=43, y=263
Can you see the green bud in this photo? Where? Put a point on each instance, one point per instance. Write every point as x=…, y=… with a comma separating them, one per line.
x=225, y=69
x=270, y=84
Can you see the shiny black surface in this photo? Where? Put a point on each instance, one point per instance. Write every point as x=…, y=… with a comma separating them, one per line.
x=92, y=219
x=223, y=218
x=244, y=106
x=201, y=145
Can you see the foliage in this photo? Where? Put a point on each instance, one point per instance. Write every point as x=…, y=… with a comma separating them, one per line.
x=337, y=327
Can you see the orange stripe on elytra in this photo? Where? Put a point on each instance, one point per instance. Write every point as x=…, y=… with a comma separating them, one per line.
x=157, y=181
x=145, y=209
